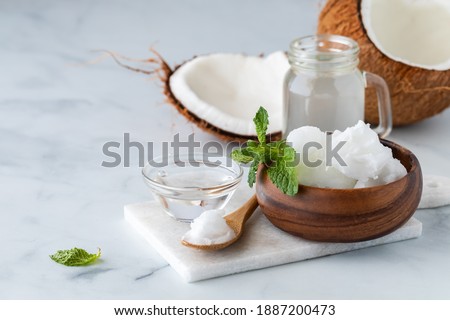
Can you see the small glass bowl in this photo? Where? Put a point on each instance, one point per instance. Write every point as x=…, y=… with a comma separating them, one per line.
x=188, y=184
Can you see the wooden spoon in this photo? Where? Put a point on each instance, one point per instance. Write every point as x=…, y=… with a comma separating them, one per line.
x=236, y=221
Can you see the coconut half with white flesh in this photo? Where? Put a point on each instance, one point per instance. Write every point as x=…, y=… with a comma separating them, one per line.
x=222, y=92
x=407, y=42
x=415, y=32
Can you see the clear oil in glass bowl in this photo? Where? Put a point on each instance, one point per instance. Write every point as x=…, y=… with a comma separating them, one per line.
x=186, y=188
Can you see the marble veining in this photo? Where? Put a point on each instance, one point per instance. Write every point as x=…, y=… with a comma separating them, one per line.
x=150, y=273
x=57, y=111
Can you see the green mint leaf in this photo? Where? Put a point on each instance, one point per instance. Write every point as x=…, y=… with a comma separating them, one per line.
x=278, y=156
x=280, y=149
x=288, y=153
x=261, y=121
x=252, y=145
x=75, y=257
x=251, y=179
x=283, y=177
x=241, y=155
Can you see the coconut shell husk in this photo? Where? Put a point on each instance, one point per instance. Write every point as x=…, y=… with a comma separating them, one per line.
x=163, y=71
x=416, y=93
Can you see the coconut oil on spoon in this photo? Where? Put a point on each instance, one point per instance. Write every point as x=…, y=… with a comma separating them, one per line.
x=213, y=231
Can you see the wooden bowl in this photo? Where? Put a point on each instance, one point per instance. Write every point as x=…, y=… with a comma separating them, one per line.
x=344, y=215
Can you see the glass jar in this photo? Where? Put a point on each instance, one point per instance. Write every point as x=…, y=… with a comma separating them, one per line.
x=325, y=88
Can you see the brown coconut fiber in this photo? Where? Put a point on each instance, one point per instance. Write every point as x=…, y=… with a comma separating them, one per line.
x=416, y=93
x=162, y=70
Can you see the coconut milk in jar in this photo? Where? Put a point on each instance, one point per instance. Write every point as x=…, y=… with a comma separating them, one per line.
x=325, y=88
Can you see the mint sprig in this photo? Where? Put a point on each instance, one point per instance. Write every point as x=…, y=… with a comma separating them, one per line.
x=75, y=257
x=261, y=121
x=278, y=156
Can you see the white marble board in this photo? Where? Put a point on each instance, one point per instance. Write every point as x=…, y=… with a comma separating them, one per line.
x=261, y=246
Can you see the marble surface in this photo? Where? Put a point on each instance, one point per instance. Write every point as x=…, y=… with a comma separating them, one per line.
x=261, y=245
x=57, y=111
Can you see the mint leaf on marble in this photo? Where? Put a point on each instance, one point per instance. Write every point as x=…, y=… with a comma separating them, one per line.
x=75, y=257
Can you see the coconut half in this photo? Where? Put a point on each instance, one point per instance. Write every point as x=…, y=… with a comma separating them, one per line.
x=401, y=41
x=222, y=92
x=415, y=32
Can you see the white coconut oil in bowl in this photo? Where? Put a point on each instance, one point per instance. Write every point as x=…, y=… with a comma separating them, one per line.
x=186, y=185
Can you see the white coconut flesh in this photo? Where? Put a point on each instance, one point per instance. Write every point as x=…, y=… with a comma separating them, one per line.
x=414, y=32
x=226, y=90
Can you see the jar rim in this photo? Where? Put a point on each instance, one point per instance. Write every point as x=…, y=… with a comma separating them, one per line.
x=325, y=51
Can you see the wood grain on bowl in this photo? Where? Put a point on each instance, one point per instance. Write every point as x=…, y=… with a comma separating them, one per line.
x=344, y=215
